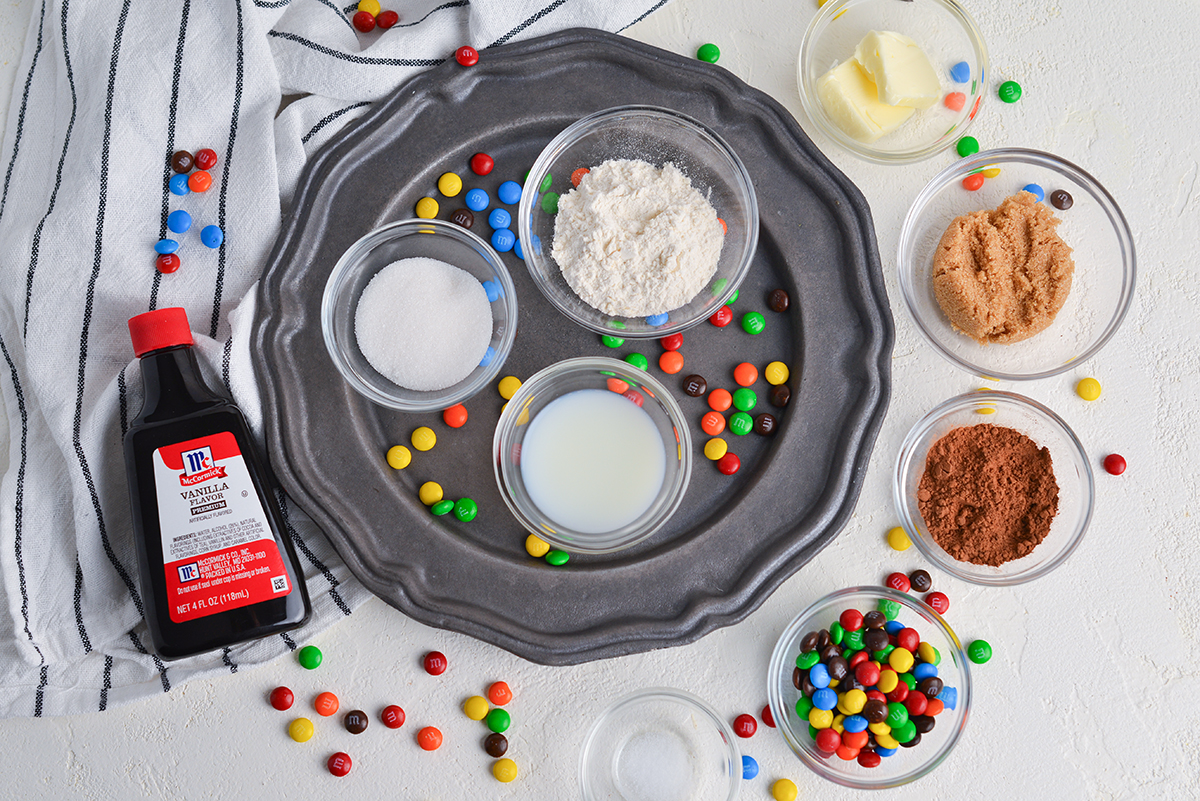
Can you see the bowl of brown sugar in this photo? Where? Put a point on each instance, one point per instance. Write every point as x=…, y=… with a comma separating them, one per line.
x=994, y=488
x=1022, y=277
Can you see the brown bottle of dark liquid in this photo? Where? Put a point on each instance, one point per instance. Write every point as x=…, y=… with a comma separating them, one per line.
x=216, y=567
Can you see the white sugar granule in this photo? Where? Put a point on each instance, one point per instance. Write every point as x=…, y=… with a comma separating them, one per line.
x=423, y=324
x=633, y=240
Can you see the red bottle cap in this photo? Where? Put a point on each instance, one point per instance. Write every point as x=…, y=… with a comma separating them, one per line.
x=161, y=328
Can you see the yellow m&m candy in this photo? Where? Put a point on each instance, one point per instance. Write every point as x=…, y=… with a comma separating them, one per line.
x=427, y=208
x=399, y=457
x=449, y=184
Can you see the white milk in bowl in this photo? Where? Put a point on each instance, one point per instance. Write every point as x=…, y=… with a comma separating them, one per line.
x=593, y=461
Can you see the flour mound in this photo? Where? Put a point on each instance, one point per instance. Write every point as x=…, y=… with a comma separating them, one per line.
x=633, y=240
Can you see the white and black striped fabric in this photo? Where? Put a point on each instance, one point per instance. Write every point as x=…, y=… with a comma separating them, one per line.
x=106, y=91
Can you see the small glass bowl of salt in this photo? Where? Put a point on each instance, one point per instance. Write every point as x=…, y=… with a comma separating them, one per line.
x=660, y=744
x=419, y=315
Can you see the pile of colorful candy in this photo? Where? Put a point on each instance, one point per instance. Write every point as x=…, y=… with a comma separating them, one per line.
x=869, y=685
x=179, y=221
x=368, y=15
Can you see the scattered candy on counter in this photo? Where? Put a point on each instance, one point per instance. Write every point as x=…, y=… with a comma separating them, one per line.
x=509, y=192
x=430, y=493
x=638, y=360
x=477, y=199
x=463, y=218
x=745, y=399
x=767, y=717
x=178, y=184
x=740, y=424
x=784, y=790
x=476, y=707
x=282, y=698
x=182, y=162
x=708, y=52
x=898, y=582
x=536, y=547
x=1061, y=199
x=499, y=693
x=765, y=424
x=611, y=341
x=503, y=240
x=498, y=720
x=301, y=730
x=715, y=448
x=326, y=704
x=449, y=184
x=967, y=146
x=429, y=738
x=745, y=374
x=776, y=373
x=1114, y=464
x=1009, y=91
x=482, y=164
x=749, y=767
x=1088, y=389
x=499, y=218
x=505, y=770
x=979, y=651
x=729, y=464
x=363, y=21
x=695, y=386
x=938, y=601
x=179, y=221
x=670, y=362
x=745, y=726
x=712, y=423
x=340, y=764
x=199, y=181
x=423, y=438
x=310, y=657
x=465, y=509
x=720, y=400
x=920, y=580
x=435, y=663
x=455, y=416
x=356, y=721
x=753, y=323
x=778, y=300
x=399, y=457
x=427, y=208
x=206, y=158
x=466, y=56
x=392, y=716
x=495, y=745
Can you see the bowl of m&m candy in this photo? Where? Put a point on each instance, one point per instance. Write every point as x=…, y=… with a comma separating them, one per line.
x=870, y=688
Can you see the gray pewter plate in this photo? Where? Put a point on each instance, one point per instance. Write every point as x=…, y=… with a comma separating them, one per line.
x=735, y=538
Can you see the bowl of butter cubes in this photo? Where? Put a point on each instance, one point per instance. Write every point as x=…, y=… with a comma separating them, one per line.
x=892, y=82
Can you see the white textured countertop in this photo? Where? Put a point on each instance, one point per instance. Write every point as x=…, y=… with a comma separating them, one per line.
x=1093, y=688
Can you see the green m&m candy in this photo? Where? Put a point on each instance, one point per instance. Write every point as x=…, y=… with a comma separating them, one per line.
x=753, y=323
x=443, y=507
x=708, y=52
x=638, y=360
x=558, y=558
x=465, y=509
x=1009, y=91
x=498, y=720
x=967, y=146
x=979, y=651
x=611, y=341
x=740, y=423
x=310, y=657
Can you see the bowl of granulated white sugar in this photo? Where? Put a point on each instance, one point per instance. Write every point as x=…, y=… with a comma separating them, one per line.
x=419, y=315
x=638, y=222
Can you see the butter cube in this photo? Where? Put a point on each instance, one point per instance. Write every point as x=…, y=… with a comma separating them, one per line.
x=851, y=99
x=901, y=71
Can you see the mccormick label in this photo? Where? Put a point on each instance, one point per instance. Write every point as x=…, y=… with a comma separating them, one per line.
x=218, y=550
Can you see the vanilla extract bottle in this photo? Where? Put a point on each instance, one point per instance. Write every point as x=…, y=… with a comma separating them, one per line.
x=216, y=567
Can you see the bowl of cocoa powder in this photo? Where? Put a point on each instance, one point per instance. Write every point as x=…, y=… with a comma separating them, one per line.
x=994, y=488
x=1023, y=277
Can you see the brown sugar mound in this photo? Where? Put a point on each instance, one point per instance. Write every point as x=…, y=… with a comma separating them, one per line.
x=1002, y=275
x=988, y=494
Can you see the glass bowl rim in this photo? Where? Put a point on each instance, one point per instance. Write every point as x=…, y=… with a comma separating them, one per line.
x=684, y=698
x=743, y=183
x=351, y=260
x=825, y=14
x=507, y=423
x=907, y=453
x=1006, y=155
x=780, y=656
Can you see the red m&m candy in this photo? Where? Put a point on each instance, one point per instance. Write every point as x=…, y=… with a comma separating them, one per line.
x=1114, y=464
x=482, y=163
x=898, y=582
x=392, y=717
x=364, y=21
x=722, y=317
x=206, y=158
x=435, y=663
x=909, y=639
x=729, y=464
x=767, y=717
x=851, y=620
x=939, y=601
x=387, y=19
x=467, y=56
x=282, y=698
x=745, y=726
x=672, y=342
x=340, y=763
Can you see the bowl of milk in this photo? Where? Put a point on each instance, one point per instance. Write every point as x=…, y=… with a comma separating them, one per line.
x=592, y=455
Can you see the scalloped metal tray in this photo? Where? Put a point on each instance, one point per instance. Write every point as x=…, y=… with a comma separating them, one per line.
x=734, y=539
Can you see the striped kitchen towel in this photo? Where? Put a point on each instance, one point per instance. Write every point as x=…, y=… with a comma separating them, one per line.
x=106, y=91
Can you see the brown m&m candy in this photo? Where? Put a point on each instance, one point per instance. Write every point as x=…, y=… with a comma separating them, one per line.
x=778, y=300
x=765, y=425
x=182, y=161
x=356, y=721
x=920, y=580
x=695, y=386
x=495, y=744
x=780, y=395
x=462, y=218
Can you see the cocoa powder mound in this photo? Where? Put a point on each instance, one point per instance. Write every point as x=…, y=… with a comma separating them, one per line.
x=988, y=494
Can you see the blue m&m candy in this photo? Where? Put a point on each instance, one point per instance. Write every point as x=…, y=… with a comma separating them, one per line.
x=509, y=192
x=503, y=240
x=519, y=250
x=960, y=72
x=212, y=236
x=499, y=218
x=1036, y=191
x=949, y=697
x=488, y=355
x=657, y=319
x=818, y=676
x=493, y=291
x=179, y=184
x=749, y=767
x=825, y=698
x=179, y=221
x=166, y=246
x=477, y=200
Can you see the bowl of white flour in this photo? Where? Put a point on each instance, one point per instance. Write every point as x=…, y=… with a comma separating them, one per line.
x=419, y=315
x=638, y=222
